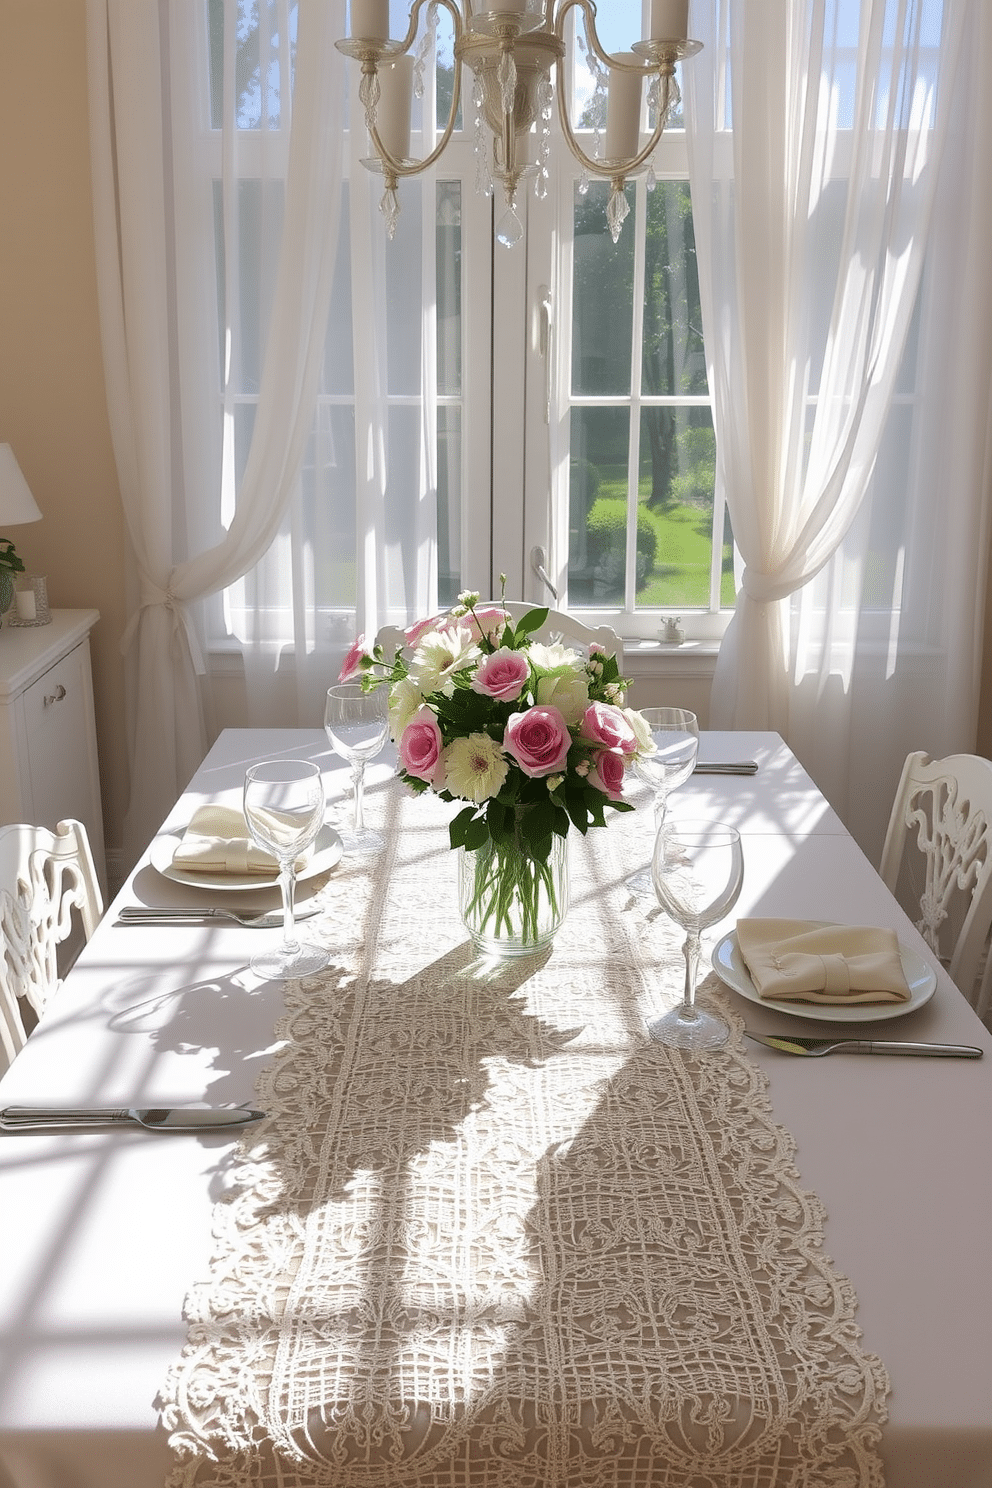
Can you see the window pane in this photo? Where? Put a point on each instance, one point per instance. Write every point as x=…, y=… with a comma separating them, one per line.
x=675, y=508
x=258, y=76
x=602, y=296
x=328, y=495
x=597, y=506
x=338, y=367
x=673, y=357
x=449, y=287
x=449, y=504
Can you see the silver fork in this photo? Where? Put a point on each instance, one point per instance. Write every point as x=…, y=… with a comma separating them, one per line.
x=814, y=1048
x=141, y=914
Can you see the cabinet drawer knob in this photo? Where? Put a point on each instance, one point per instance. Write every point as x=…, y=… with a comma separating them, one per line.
x=56, y=696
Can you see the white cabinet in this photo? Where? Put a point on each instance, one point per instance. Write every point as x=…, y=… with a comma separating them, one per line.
x=48, y=759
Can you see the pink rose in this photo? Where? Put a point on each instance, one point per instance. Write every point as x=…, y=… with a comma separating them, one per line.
x=487, y=620
x=538, y=740
x=502, y=674
x=605, y=725
x=352, y=665
x=420, y=748
x=421, y=628
x=607, y=773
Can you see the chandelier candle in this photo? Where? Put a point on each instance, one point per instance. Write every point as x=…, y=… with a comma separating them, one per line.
x=370, y=19
x=669, y=20
x=623, y=110
x=395, y=105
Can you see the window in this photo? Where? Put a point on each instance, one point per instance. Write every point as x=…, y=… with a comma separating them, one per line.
x=592, y=443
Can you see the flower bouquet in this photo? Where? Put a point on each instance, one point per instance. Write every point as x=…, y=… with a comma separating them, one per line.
x=534, y=737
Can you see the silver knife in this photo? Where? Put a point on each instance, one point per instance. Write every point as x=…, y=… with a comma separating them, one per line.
x=729, y=767
x=790, y=1043
x=154, y=1118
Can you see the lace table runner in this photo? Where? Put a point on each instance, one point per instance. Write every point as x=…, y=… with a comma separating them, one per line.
x=491, y=1234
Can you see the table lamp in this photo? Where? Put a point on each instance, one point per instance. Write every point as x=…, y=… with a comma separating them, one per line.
x=17, y=505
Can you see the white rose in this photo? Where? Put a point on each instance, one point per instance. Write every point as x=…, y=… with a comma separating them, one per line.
x=568, y=693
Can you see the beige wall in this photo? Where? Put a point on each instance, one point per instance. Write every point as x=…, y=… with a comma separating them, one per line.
x=52, y=402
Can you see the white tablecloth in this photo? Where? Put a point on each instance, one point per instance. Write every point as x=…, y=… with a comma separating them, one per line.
x=105, y=1234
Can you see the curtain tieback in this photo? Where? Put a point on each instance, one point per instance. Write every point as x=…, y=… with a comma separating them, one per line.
x=152, y=595
x=765, y=588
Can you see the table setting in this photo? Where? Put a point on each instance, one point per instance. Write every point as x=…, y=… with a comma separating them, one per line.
x=473, y=1221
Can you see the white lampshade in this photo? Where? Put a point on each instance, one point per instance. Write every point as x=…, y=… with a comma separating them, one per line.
x=16, y=502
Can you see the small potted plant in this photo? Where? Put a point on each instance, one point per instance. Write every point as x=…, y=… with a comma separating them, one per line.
x=10, y=565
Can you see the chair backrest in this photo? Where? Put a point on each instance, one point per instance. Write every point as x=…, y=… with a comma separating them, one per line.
x=45, y=878
x=558, y=624
x=938, y=855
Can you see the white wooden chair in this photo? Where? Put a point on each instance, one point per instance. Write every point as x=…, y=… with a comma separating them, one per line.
x=937, y=860
x=558, y=624
x=46, y=879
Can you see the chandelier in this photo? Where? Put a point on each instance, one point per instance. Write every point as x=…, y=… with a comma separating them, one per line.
x=511, y=48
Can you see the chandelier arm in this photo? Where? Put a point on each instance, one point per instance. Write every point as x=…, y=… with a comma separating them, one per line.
x=668, y=52
x=393, y=170
x=608, y=168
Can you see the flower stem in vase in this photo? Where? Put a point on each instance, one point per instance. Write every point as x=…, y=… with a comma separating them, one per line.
x=511, y=901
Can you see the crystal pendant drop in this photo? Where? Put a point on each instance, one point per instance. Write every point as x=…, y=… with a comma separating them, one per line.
x=390, y=209
x=617, y=211
x=509, y=228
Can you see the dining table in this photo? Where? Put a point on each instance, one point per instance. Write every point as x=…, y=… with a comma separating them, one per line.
x=488, y=1232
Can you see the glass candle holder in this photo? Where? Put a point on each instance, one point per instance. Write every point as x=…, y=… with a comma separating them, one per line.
x=30, y=605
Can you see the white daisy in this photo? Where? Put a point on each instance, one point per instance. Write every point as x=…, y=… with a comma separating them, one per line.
x=441, y=654
x=475, y=767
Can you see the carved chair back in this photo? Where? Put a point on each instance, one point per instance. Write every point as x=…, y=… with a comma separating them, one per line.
x=559, y=624
x=937, y=860
x=46, y=880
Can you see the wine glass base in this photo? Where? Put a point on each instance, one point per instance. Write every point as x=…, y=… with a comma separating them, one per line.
x=278, y=964
x=690, y=1028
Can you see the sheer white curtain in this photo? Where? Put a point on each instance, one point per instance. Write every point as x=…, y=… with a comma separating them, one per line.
x=825, y=138
x=357, y=542
x=141, y=56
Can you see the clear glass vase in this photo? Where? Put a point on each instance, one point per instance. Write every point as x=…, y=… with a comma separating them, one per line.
x=512, y=903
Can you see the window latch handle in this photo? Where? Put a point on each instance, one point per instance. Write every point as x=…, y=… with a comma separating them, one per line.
x=538, y=563
x=547, y=327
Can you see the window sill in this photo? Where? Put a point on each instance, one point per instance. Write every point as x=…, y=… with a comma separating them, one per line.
x=662, y=659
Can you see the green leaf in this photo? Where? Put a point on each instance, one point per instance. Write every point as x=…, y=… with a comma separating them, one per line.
x=477, y=834
x=459, y=827
x=502, y=819
x=527, y=624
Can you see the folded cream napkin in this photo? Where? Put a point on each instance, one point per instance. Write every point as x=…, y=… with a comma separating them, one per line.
x=217, y=840
x=802, y=961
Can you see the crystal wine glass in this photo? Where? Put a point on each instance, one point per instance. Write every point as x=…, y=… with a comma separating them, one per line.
x=675, y=732
x=356, y=723
x=698, y=870
x=284, y=809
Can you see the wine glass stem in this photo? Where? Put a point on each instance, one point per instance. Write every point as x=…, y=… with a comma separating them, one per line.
x=691, y=952
x=660, y=806
x=287, y=883
x=358, y=771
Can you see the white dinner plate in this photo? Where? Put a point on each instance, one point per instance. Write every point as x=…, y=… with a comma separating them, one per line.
x=327, y=851
x=729, y=965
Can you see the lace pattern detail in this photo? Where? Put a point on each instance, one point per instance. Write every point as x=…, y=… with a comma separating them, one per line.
x=492, y=1236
